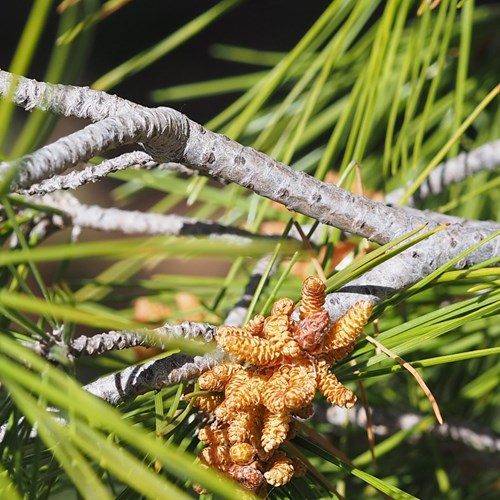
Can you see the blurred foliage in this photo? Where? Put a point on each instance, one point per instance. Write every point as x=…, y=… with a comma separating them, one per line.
x=397, y=87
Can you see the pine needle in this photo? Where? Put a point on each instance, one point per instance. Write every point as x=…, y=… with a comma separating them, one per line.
x=416, y=375
x=313, y=469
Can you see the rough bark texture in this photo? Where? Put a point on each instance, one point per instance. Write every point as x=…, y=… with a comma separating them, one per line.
x=91, y=173
x=170, y=136
x=161, y=336
x=132, y=222
x=153, y=375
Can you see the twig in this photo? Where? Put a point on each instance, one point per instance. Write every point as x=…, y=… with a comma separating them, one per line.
x=114, y=389
x=159, y=337
x=466, y=164
x=153, y=375
x=386, y=423
x=133, y=222
x=91, y=173
x=95, y=173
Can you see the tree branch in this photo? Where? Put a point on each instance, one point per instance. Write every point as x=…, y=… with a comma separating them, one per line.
x=170, y=136
x=152, y=376
x=453, y=171
x=412, y=265
x=65, y=100
x=386, y=423
x=94, y=173
x=133, y=222
x=167, y=371
x=441, y=218
x=159, y=337
x=155, y=374
x=91, y=173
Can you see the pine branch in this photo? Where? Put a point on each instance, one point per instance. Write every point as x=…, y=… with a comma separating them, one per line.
x=453, y=171
x=95, y=173
x=386, y=423
x=132, y=222
x=167, y=371
x=91, y=173
x=441, y=218
x=64, y=100
x=412, y=265
x=158, y=337
x=153, y=375
x=170, y=136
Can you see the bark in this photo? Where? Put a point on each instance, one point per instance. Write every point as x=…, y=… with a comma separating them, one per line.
x=133, y=222
x=91, y=173
x=466, y=164
x=169, y=136
x=160, y=337
x=151, y=376
x=155, y=374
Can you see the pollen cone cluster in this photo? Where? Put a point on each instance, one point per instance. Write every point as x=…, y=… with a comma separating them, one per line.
x=285, y=363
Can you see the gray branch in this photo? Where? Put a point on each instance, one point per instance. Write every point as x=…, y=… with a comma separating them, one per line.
x=440, y=218
x=177, y=368
x=157, y=374
x=146, y=125
x=151, y=376
x=162, y=337
x=133, y=222
x=169, y=136
x=388, y=422
x=65, y=100
x=412, y=265
x=453, y=171
x=94, y=173
x=386, y=279
x=91, y=173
